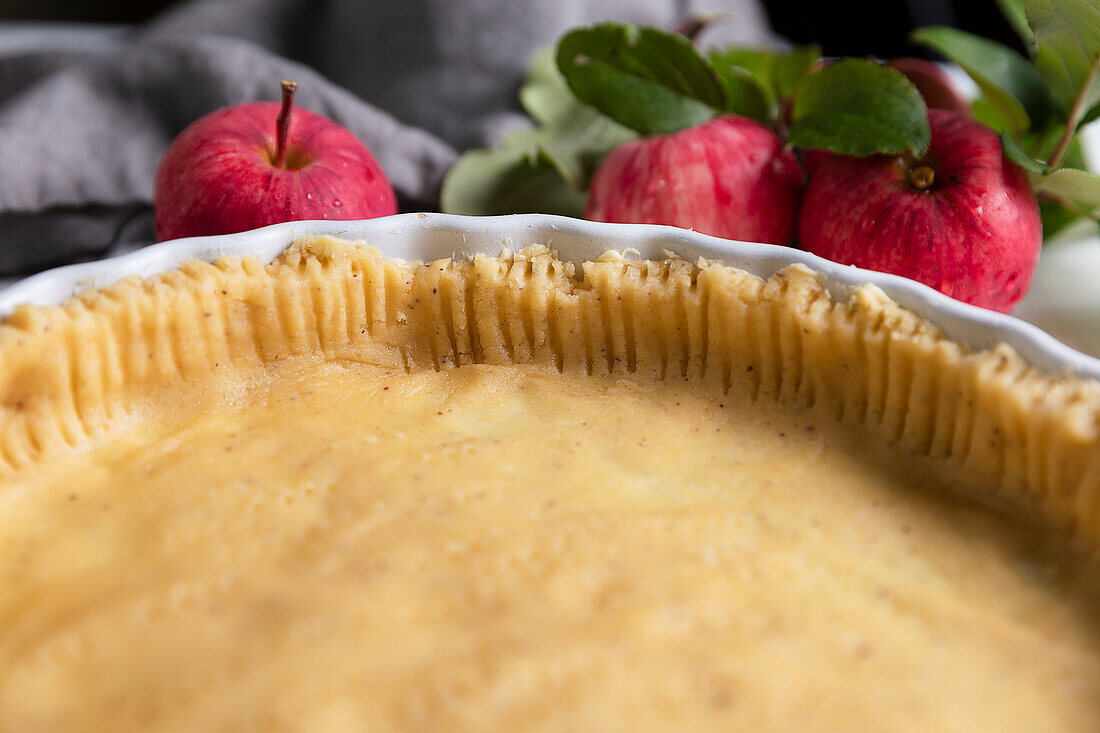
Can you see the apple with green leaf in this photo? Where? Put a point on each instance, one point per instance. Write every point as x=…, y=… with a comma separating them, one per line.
x=933, y=83
x=262, y=163
x=961, y=218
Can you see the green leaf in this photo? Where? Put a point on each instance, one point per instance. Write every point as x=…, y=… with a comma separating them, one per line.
x=643, y=78
x=508, y=181
x=1013, y=12
x=577, y=145
x=759, y=64
x=990, y=115
x=1040, y=144
x=793, y=67
x=744, y=93
x=544, y=94
x=1075, y=156
x=1055, y=218
x=1019, y=156
x=775, y=73
x=1067, y=36
x=573, y=136
x=1077, y=186
x=1090, y=116
x=857, y=107
x=1006, y=78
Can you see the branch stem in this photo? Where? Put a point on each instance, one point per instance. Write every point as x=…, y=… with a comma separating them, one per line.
x=1074, y=118
x=691, y=26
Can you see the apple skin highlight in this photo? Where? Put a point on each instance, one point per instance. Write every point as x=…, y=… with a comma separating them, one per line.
x=973, y=234
x=730, y=177
x=219, y=175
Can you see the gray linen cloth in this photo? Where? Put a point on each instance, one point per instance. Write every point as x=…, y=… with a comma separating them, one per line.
x=85, y=116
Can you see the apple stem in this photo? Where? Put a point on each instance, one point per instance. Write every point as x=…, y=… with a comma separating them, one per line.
x=282, y=122
x=922, y=177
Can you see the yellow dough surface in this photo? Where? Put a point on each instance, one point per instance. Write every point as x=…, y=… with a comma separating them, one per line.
x=344, y=546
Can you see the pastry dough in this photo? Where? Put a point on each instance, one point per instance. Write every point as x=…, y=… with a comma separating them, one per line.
x=342, y=492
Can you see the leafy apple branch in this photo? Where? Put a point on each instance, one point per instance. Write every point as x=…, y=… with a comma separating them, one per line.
x=1057, y=88
x=604, y=85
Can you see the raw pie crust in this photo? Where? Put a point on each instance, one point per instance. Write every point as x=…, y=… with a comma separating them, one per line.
x=342, y=492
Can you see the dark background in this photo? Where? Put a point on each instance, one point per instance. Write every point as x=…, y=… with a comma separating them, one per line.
x=843, y=27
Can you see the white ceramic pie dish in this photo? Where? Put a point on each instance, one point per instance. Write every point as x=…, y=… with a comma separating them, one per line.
x=432, y=236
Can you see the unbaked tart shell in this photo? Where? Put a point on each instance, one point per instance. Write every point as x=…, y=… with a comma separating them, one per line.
x=100, y=399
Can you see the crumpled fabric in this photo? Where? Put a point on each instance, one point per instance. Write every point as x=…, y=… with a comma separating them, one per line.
x=85, y=116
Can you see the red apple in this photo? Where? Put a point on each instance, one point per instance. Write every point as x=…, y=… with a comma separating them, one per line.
x=812, y=160
x=730, y=177
x=962, y=219
x=255, y=164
